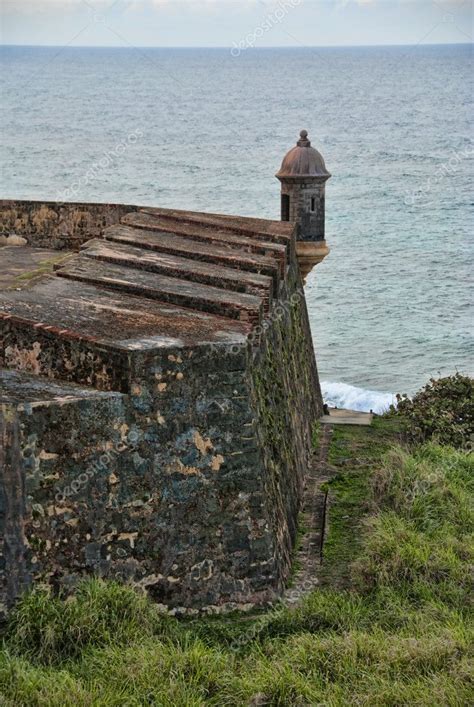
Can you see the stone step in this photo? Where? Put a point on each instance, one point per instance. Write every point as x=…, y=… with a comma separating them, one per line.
x=342, y=416
x=197, y=251
x=78, y=332
x=264, y=229
x=197, y=232
x=181, y=268
x=166, y=289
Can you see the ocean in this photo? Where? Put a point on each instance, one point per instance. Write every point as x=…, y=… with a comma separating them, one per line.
x=203, y=129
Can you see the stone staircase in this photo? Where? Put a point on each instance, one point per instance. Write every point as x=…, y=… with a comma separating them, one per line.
x=159, y=275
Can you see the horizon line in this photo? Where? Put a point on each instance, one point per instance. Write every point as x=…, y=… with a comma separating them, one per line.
x=292, y=46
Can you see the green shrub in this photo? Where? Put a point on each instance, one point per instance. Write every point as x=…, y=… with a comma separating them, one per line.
x=443, y=409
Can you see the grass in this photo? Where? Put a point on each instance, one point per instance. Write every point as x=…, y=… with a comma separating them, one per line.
x=390, y=624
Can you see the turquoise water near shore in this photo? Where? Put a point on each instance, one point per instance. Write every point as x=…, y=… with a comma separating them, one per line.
x=201, y=129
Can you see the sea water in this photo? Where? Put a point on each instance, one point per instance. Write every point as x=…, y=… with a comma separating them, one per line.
x=203, y=129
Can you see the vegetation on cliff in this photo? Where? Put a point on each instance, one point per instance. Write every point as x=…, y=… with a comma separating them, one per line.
x=443, y=410
x=389, y=625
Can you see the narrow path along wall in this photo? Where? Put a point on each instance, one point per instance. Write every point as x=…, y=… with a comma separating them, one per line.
x=194, y=328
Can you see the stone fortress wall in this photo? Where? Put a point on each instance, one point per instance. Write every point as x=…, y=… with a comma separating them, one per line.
x=49, y=224
x=173, y=458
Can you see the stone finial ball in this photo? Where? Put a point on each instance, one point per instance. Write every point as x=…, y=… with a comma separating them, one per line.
x=303, y=134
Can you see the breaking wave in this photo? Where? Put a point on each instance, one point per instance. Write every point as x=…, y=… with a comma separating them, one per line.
x=343, y=395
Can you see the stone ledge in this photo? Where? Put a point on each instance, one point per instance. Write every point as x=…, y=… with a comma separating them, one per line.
x=340, y=416
x=70, y=309
x=18, y=388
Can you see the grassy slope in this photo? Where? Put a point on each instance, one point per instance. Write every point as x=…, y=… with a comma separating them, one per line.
x=389, y=625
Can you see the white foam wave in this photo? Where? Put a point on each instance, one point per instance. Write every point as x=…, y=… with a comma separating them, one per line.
x=343, y=395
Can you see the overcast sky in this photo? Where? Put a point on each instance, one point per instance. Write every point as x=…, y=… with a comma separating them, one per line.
x=235, y=23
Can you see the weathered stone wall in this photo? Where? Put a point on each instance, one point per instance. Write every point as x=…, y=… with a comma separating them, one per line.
x=60, y=451
x=196, y=442
x=14, y=577
x=200, y=503
x=68, y=358
x=288, y=401
x=61, y=226
x=198, y=448
x=175, y=502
